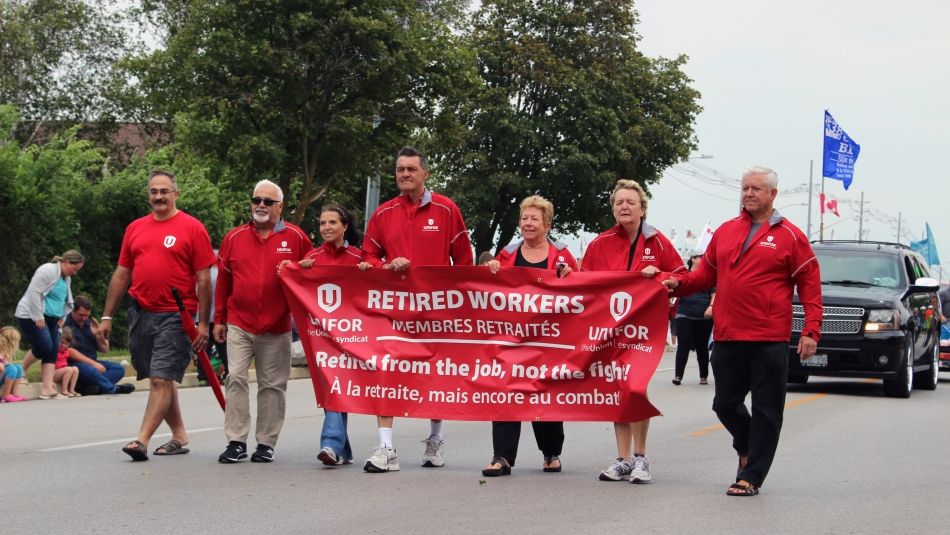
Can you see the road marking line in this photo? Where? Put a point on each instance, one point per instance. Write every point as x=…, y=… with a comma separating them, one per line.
x=122, y=440
x=788, y=405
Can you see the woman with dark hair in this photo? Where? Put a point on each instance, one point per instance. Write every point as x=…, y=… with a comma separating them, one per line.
x=536, y=250
x=341, y=237
x=694, y=324
x=41, y=310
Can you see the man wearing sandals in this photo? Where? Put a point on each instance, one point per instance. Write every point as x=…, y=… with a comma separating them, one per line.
x=253, y=317
x=165, y=249
x=754, y=261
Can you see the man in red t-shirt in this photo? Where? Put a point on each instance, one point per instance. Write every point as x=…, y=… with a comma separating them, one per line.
x=417, y=228
x=165, y=249
x=253, y=316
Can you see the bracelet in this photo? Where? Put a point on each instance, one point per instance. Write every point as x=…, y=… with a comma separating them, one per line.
x=103, y=318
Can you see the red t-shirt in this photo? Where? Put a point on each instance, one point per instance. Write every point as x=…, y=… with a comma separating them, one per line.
x=163, y=255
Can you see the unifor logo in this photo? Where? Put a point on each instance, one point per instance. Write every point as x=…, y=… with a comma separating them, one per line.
x=620, y=304
x=169, y=241
x=769, y=239
x=431, y=221
x=283, y=244
x=329, y=297
x=646, y=251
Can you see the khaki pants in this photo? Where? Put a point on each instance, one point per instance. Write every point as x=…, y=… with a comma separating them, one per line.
x=271, y=354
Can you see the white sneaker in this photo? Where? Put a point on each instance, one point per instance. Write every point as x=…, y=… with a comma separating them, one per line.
x=328, y=457
x=618, y=471
x=383, y=460
x=433, y=456
x=640, y=473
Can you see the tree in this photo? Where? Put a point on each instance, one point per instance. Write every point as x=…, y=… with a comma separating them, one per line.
x=566, y=106
x=316, y=95
x=56, y=58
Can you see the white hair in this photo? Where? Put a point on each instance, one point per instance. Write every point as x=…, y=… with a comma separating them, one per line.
x=265, y=182
x=771, y=177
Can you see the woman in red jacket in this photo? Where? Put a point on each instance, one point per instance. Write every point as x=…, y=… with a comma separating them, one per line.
x=631, y=245
x=535, y=251
x=340, y=236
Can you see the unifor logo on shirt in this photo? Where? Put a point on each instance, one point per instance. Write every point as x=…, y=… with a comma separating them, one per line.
x=620, y=305
x=283, y=248
x=769, y=242
x=430, y=225
x=647, y=255
x=169, y=241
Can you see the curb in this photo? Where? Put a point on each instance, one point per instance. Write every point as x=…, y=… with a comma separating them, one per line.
x=32, y=390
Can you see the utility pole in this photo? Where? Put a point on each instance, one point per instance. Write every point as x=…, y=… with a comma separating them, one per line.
x=861, y=220
x=898, y=227
x=811, y=165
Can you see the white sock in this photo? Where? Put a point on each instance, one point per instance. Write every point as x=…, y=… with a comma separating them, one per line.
x=436, y=426
x=386, y=437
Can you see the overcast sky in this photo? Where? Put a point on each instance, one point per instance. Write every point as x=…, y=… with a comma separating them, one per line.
x=767, y=70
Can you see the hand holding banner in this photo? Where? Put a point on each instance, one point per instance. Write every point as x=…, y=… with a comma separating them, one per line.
x=462, y=343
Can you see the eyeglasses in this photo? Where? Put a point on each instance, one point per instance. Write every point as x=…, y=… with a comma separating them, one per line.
x=267, y=202
x=163, y=191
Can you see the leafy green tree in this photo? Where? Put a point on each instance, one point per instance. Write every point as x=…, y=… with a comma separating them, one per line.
x=314, y=94
x=57, y=56
x=566, y=105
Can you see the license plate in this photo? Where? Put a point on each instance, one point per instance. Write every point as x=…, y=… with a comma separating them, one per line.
x=817, y=360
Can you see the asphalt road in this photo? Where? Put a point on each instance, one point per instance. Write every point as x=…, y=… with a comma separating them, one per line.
x=850, y=461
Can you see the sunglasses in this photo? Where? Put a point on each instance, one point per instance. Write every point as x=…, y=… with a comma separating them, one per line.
x=267, y=202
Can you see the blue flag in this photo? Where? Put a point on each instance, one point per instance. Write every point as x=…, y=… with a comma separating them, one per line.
x=840, y=152
x=927, y=248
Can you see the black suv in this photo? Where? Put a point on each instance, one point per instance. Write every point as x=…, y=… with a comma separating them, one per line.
x=881, y=318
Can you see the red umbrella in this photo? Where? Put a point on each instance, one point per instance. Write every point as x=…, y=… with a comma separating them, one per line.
x=188, y=324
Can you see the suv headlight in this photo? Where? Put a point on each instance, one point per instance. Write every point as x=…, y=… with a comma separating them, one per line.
x=882, y=320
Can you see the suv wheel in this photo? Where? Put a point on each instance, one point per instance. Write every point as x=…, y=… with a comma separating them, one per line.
x=900, y=386
x=927, y=380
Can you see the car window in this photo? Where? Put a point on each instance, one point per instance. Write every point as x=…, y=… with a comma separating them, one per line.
x=860, y=267
x=922, y=270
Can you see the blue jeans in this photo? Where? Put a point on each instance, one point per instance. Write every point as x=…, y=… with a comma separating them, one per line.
x=334, y=434
x=45, y=341
x=89, y=375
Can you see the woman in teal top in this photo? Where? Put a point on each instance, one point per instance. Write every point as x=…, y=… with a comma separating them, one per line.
x=42, y=308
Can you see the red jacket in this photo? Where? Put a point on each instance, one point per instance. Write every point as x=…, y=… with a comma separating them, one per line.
x=557, y=254
x=330, y=255
x=754, y=288
x=248, y=293
x=610, y=250
x=431, y=233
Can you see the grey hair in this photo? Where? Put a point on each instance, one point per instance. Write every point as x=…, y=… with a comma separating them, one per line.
x=265, y=182
x=771, y=177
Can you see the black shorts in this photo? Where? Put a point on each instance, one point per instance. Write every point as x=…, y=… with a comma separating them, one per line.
x=158, y=344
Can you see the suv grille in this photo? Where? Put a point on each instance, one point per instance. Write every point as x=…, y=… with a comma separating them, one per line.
x=835, y=320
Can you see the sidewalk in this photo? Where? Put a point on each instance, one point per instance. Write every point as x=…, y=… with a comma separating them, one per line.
x=32, y=390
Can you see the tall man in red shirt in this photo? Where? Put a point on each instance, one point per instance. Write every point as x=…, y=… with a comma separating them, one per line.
x=419, y=228
x=165, y=249
x=252, y=314
x=754, y=261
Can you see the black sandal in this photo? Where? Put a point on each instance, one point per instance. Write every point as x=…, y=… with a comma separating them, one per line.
x=504, y=470
x=548, y=459
x=737, y=489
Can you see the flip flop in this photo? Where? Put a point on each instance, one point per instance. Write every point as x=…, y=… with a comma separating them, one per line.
x=742, y=490
x=136, y=450
x=172, y=447
x=549, y=460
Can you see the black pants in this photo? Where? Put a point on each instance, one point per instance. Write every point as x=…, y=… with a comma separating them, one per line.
x=693, y=334
x=760, y=368
x=506, y=435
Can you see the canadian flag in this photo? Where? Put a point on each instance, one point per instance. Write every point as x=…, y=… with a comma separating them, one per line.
x=689, y=234
x=830, y=204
